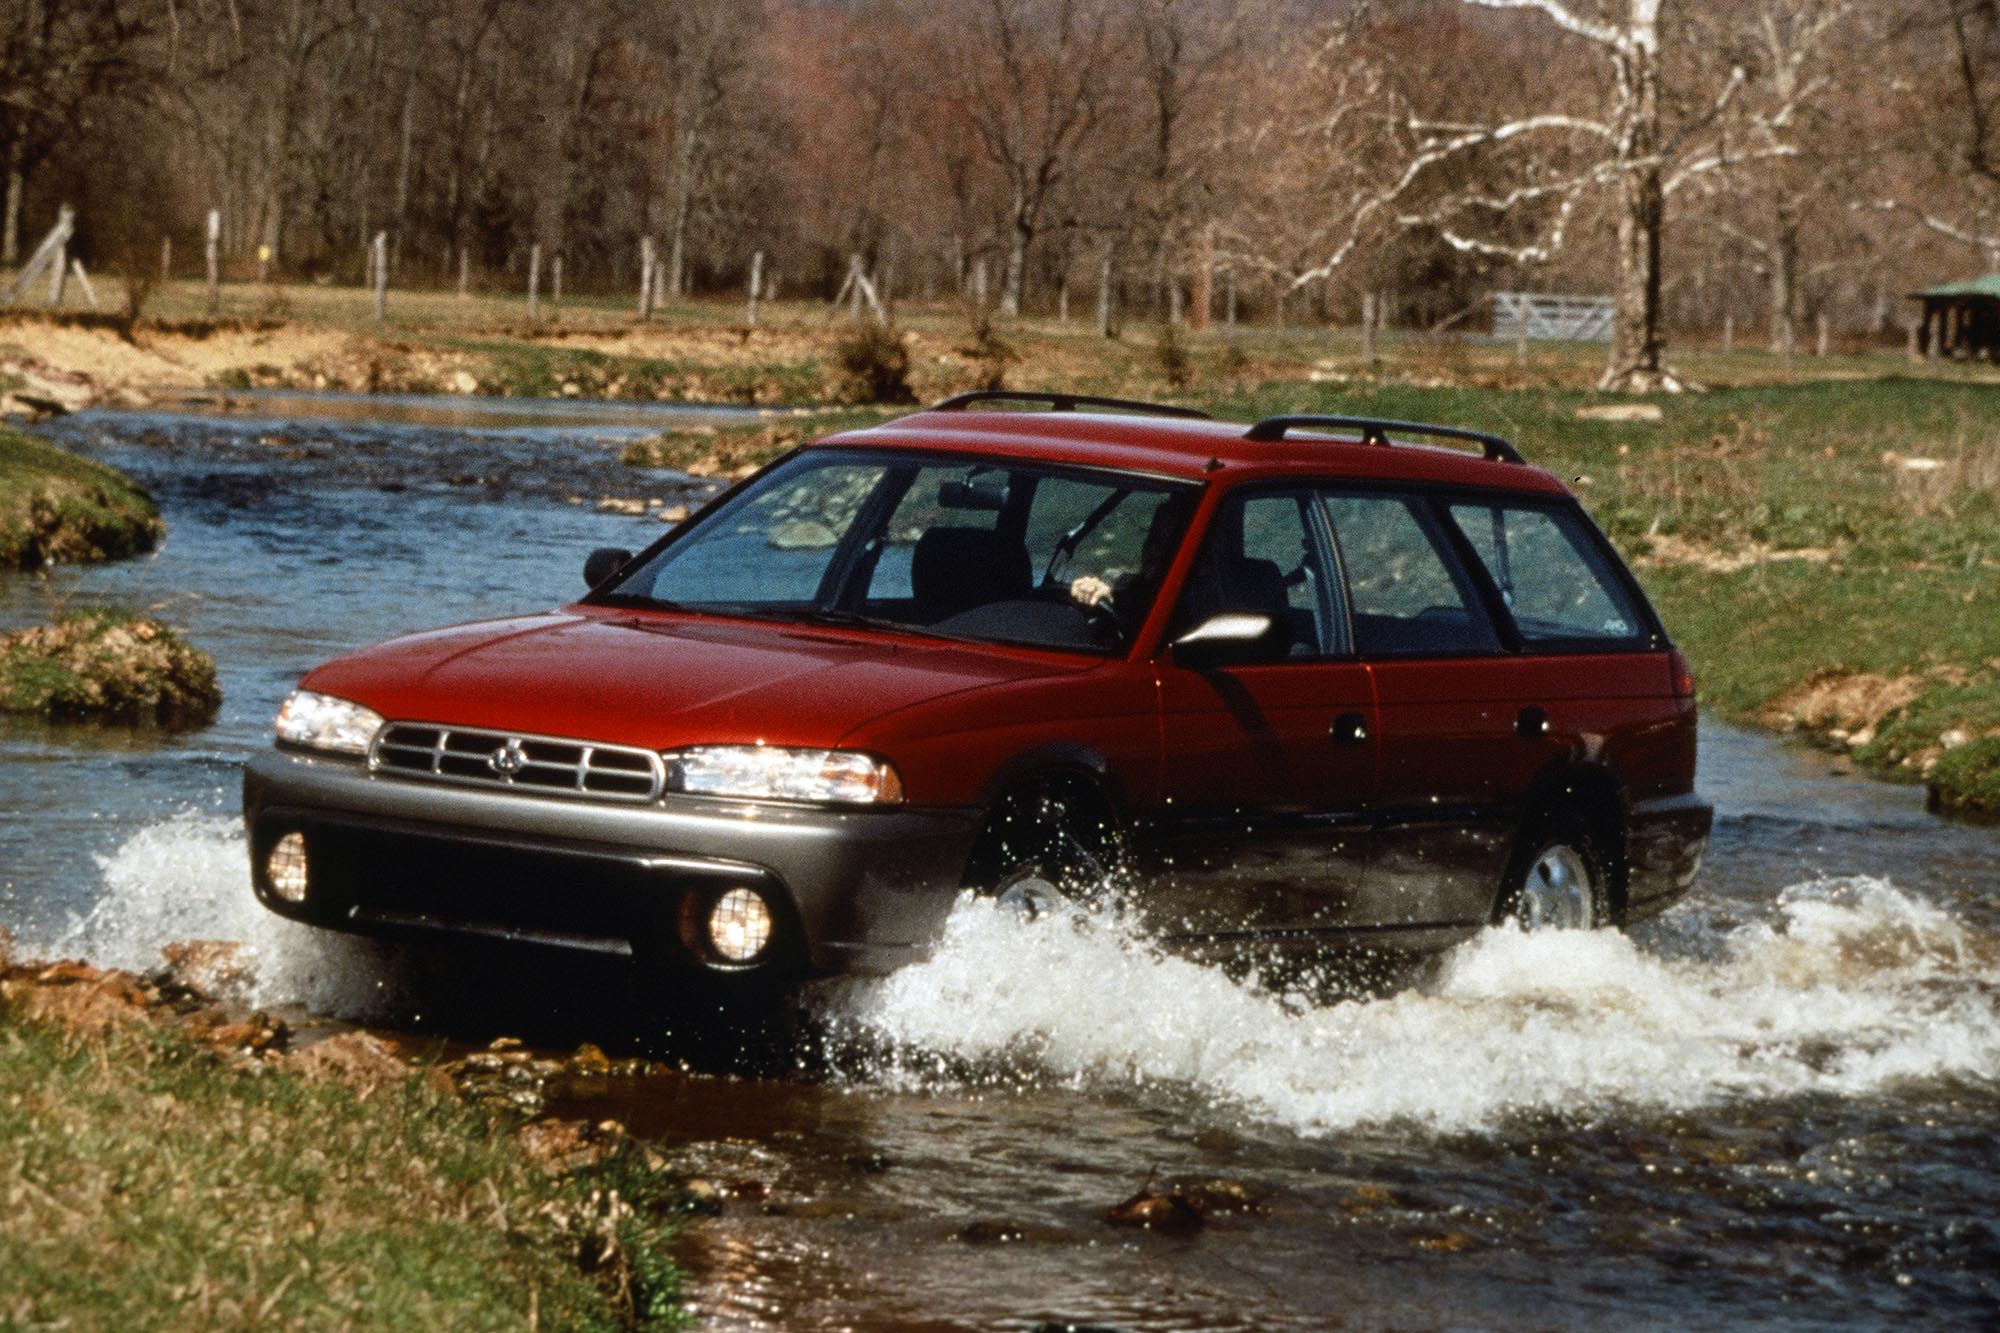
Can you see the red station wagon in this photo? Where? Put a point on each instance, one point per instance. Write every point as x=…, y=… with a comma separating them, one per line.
x=1306, y=686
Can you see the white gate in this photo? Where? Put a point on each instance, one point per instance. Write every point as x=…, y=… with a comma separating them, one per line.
x=1531, y=315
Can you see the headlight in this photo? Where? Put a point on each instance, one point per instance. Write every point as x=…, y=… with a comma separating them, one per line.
x=322, y=722
x=777, y=772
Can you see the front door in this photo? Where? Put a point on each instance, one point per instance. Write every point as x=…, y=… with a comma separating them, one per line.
x=1269, y=757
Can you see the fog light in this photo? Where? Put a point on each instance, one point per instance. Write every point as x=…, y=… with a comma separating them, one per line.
x=286, y=868
x=739, y=925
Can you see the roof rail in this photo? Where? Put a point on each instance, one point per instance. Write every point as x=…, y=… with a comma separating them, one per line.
x=1063, y=402
x=1376, y=431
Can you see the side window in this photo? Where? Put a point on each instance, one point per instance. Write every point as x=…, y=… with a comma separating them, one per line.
x=1551, y=575
x=1406, y=595
x=1261, y=556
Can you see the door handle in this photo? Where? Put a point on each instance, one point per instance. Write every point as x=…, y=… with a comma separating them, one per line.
x=1349, y=729
x=1531, y=722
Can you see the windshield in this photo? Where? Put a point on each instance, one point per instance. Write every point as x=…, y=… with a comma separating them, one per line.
x=990, y=549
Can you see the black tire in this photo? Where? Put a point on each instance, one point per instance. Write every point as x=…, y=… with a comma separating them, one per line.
x=1056, y=831
x=1556, y=878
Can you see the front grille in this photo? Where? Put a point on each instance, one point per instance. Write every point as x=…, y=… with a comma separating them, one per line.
x=544, y=765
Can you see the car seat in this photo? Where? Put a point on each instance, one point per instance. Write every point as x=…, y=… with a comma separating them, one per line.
x=956, y=569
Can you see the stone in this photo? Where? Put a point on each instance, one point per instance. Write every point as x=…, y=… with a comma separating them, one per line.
x=802, y=534
x=1156, y=1210
x=361, y=1060
x=1622, y=412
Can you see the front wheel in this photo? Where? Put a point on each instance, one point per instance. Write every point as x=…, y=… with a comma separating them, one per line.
x=1046, y=844
x=1557, y=882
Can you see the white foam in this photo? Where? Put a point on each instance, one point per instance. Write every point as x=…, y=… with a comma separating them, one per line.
x=188, y=878
x=1852, y=985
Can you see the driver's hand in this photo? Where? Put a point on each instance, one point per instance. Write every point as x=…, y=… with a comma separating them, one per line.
x=1090, y=590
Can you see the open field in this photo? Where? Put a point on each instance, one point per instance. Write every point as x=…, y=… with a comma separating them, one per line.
x=1822, y=536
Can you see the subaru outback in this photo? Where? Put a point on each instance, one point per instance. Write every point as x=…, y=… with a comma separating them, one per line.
x=1311, y=685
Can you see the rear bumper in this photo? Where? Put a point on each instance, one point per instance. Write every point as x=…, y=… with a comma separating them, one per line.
x=854, y=890
x=1665, y=840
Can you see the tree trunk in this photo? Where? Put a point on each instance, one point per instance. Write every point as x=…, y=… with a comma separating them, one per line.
x=1016, y=275
x=1785, y=285
x=1635, y=364
x=10, y=230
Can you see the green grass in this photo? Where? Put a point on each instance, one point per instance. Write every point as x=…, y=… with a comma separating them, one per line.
x=107, y=664
x=726, y=447
x=55, y=506
x=149, y=1184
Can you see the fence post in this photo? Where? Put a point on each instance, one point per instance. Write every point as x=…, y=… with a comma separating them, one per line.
x=1821, y=334
x=1229, y=298
x=1368, y=328
x=1104, y=266
x=756, y=285
x=464, y=270
x=1912, y=343
x=1202, y=297
x=59, y=274
x=1729, y=331
x=555, y=288
x=534, y=282
x=214, y=257
x=645, y=277
x=166, y=258
x=381, y=276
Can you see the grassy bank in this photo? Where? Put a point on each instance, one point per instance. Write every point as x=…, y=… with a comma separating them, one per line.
x=57, y=507
x=154, y=1180
x=110, y=665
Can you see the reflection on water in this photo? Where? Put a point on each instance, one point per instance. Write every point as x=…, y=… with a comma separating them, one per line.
x=1773, y=1106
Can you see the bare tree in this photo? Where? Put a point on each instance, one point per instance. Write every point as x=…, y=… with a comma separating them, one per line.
x=1034, y=95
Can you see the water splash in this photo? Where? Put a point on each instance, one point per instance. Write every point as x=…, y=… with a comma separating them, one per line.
x=1851, y=985
x=187, y=878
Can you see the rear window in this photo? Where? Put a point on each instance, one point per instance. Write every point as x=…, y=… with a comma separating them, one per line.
x=1555, y=580
x=1406, y=594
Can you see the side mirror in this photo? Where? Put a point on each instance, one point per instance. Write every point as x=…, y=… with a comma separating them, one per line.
x=1233, y=636
x=603, y=563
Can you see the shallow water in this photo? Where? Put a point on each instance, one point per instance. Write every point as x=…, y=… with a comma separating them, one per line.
x=1774, y=1106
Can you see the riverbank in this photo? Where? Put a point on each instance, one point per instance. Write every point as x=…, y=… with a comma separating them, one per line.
x=1820, y=533
x=61, y=509
x=168, y=1162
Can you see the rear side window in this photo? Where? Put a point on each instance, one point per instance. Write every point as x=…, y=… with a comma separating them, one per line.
x=1407, y=595
x=1554, y=579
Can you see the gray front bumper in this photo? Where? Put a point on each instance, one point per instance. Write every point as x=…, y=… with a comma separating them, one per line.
x=866, y=889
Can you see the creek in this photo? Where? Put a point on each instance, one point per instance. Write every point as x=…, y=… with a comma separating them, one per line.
x=1778, y=1105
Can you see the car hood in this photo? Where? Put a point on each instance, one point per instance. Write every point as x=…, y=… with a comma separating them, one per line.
x=659, y=681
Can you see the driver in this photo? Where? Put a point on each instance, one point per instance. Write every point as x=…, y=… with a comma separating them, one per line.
x=1126, y=595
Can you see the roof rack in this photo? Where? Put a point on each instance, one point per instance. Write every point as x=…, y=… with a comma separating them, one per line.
x=1376, y=431
x=1064, y=402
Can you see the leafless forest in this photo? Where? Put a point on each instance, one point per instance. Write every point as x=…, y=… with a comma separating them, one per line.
x=1771, y=164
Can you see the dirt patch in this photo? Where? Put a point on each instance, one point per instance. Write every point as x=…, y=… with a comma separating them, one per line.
x=1847, y=705
x=1666, y=548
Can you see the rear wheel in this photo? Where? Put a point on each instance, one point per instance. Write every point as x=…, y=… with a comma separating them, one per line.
x=1557, y=880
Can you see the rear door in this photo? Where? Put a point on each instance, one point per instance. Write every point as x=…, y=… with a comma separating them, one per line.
x=1454, y=763
x=1269, y=761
